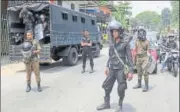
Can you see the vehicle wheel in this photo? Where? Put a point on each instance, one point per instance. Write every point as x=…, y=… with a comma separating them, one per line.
x=55, y=58
x=44, y=64
x=72, y=57
x=97, y=54
x=175, y=70
x=169, y=69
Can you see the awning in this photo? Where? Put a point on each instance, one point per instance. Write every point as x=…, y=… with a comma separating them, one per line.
x=31, y=6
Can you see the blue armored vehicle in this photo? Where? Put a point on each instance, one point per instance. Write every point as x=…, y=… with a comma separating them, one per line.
x=60, y=35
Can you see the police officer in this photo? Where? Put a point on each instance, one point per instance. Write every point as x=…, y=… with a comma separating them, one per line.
x=87, y=51
x=142, y=58
x=115, y=69
x=31, y=49
x=28, y=18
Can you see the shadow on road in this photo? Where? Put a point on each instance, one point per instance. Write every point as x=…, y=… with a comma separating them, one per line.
x=56, y=66
x=34, y=89
x=126, y=107
x=150, y=87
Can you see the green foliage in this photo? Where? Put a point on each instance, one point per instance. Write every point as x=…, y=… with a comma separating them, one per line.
x=121, y=12
x=102, y=3
x=149, y=19
x=175, y=14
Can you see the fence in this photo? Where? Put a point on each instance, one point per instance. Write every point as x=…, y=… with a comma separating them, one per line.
x=4, y=41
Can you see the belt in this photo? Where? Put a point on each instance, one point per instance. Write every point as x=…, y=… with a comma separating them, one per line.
x=141, y=55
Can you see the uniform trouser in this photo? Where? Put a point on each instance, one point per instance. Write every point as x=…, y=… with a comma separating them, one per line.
x=115, y=74
x=141, y=63
x=84, y=57
x=29, y=27
x=33, y=66
x=164, y=63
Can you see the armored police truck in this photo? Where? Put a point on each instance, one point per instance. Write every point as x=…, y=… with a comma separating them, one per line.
x=61, y=37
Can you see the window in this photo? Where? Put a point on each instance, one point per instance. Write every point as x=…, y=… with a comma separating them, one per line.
x=72, y=6
x=64, y=16
x=74, y=18
x=92, y=22
x=82, y=20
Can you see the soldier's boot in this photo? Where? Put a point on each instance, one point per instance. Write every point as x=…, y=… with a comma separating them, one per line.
x=39, y=87
x=120, y=107
x=138, y=85
x=92, y=70
x=146, y=86
x=28, y=89
x=83, y=70
x=105, y=105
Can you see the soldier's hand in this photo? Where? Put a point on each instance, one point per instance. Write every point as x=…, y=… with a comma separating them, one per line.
x=129, y=76
x=106, y=72
x=34, y=52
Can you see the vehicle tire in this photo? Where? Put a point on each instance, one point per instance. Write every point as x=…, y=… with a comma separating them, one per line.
x=55, y=58
x=175, y=70
x=169, y=69
x=97, y=54
x=72, y=57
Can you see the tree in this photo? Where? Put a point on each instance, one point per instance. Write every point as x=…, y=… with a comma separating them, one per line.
x=122, y=10
x=149, y=19
x=102, y=3
x=133, y=22
x=175, y=13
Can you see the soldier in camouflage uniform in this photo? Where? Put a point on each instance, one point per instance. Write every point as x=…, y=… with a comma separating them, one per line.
x=32, y=64
x=115, y=69
x=142, y=58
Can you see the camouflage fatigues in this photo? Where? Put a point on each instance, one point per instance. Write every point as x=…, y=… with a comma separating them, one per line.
x=142, y=60
x=32, y=65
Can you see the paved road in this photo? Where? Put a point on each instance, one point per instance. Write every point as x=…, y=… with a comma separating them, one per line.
x=65, y=89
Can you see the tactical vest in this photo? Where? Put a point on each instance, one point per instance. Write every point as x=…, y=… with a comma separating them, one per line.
x=34, y=57
x=142, y=46
x=86, y=48
x=114, y=61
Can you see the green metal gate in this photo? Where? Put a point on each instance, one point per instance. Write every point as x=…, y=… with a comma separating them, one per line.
x=4, y=41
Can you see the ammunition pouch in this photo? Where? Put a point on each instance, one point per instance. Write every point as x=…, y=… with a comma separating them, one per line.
x=141, y=55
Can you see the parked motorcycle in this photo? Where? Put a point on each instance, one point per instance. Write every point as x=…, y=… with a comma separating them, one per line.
x=173, y=62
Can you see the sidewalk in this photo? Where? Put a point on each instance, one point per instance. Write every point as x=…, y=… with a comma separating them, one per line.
x=11, y=69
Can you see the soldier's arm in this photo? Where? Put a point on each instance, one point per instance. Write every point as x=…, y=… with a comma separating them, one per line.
x=20, y=15
x=129, y=58
x=38, y=48
x=108, y=62
x=83, y=42
x=31, y=16
x=90, y=43
x=124, y=44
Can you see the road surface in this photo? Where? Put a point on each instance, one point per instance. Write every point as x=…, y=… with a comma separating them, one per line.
x=65, y=89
